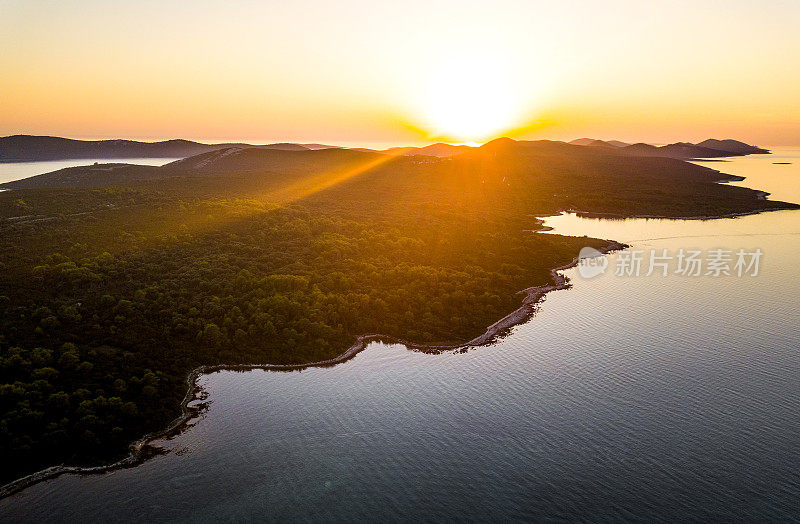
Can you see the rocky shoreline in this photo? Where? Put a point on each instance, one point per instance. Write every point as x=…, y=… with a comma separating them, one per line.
x=139, y=450
x=590, y=214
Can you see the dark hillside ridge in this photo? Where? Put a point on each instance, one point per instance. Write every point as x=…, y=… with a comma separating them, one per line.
x=97, y=175
x=237, y=160
x=681, y=150
x=710, y=148
x=733, y=146
x=28, y=148
x=551, y=174
x=224, y=162
x=595, y=142
x=439, y=149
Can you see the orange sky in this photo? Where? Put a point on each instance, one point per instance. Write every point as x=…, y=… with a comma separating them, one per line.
x=403, y=72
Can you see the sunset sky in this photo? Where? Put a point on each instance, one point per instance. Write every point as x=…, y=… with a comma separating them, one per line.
x=367, y=72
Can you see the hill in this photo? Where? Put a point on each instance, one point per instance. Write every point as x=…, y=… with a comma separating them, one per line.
x=544, y=165
x=732, y=146
x=28, y=148
x=224, y=162
x=440, y=149
x=319, y=146
x=583, y=141
x=595, y=142
x=682, y=150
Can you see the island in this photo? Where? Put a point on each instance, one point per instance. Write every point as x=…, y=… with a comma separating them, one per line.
x=118, y=281
x=29, y=148
x=711, y=148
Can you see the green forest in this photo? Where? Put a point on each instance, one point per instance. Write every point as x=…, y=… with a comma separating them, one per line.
x=110, y=293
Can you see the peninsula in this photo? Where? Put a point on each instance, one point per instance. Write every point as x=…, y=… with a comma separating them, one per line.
x=117, y=280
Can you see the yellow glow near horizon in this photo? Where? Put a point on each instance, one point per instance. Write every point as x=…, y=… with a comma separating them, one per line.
x=359, y=72
x=471, y=103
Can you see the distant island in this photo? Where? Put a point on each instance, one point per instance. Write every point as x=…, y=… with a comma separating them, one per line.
x=244, y=157
x=710, y=148
x=681, y=150
x=28, y=148
x=117, y=280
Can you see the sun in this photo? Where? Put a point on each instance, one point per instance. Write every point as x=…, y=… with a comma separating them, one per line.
x=470, y=103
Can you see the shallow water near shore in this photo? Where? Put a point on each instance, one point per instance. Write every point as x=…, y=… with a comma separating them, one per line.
x=623, y=398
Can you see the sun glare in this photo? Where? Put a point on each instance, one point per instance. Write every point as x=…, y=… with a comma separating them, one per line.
x=470, y=103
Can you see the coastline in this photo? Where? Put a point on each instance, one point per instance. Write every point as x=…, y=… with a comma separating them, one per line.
x=139, y=448
x=140, y=451
x=590, y=214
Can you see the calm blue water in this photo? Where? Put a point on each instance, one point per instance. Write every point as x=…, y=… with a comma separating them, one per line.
x=624, y=398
